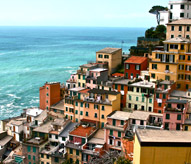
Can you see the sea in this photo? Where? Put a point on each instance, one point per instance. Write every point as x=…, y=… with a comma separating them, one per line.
x=32, y=56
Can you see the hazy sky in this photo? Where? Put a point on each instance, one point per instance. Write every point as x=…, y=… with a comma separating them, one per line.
x=106, y=13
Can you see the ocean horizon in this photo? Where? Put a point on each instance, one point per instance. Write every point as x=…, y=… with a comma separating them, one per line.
x=32, y=55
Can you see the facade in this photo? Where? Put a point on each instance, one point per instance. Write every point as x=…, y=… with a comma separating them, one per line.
x=49, y=95
x=96, y=76
x=134, y=65
x=115, y=129
x=175, y=114
x=173, y=63
x=140, y=96
x=166, y=147
x=71, y=82
x=162, y=92
x=121, y=86
x=164, y=17
x=180, y=9
x=179, y=28
x=111, y=56
x=83, y=72
x=77, y=140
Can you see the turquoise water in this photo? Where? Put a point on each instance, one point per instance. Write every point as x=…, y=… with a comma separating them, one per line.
x=30, y=56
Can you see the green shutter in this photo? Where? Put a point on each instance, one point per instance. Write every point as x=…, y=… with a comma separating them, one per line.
x=28, y=148
x=111, y=132
x=119, y=134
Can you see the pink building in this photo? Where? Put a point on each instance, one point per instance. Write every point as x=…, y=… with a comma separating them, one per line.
x=175, y=114
x=96, y=76
x=115, y=128
x=71, y=82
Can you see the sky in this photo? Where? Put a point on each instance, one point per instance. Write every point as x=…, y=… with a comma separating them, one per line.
x=97, y=13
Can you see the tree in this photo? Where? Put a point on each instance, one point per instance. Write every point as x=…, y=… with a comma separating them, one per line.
x=155, y=10
x=159, y=32
x=123, y=160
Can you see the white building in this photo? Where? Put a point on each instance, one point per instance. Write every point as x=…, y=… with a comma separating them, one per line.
x=179, y=9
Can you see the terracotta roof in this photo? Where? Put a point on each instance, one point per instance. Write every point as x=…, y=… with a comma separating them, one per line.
x=82, y=131
x=118, y=75
x=136, y=59
x=181, y=22
x=84, y=91
x=90, y=121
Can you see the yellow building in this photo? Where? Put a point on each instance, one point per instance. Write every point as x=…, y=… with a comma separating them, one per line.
x=179, y=28
x=111, y=56
x=173, y=63
x=162, y=147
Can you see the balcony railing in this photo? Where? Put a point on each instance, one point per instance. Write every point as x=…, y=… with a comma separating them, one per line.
x=98, y=101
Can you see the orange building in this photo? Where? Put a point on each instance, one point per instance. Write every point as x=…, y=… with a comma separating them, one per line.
x=49, y=94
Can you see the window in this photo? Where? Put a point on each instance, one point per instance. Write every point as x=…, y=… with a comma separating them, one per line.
x=179, y=117
x=102, y=124
x=76, y=103
x=100, y=56
x=166, y=126
x=47, y=156
x=172, y=28
x=56, y=159
x=167, y=77
x=33, y=158
x=81, y=104
x=76, y=112
x=129, y=97
x=137, y=67
x=182, y=47
x=186, y=128
x=180, y=28
x=66, y=109
x=103, y=108
x=182, y=16
x=137, y=98
x=106, y=56
x=159, y=111
x=171, y=6
x=71, y=151
x=143, y=99
x=86, y=113
x=167, y=67
x=34, y=149
x=126, y=75
x=137, y=89
x=122, y=122
x=172, y=36
x=86, y=105
x=150, y=109
x=28, y=148
x=157, y=95
x=81, y=113
x=110, y=141
x=77, y=152
x=154, y=66
x=50, y=135
x=187, y=36
x=111, y=132
x=95, y=106
x=95, y=115
x=133, y=121
x=102, y=116
x=188, y=28
x=115, y=86
x=122, y=87
x=167, y=116
x=79, y=76
x=119, y=134
x=29, y=156
x=177, y=126
x=142, y=122
x=153, y=75
x=159, y=104
x=46, y=94
x=182, y=6
x=164, y=96
x=42, y=162
x=127, y=66
x=113, y=122
x=63, y=138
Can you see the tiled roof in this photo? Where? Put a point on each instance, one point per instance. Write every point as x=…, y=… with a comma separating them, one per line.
x=84, y=91
x=147, y=135
x=82, y=131
x=177, y=40
x=109, y=50
x=117, y=75
x=181, y=22
x=136, y=60
x=177, y=101
x=100, y=91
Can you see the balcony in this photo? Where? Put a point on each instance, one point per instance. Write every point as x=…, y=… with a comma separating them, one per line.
x=36, y=141
x=174, y=109
x=75, y=145
x=99, y=101
x=81, y=72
